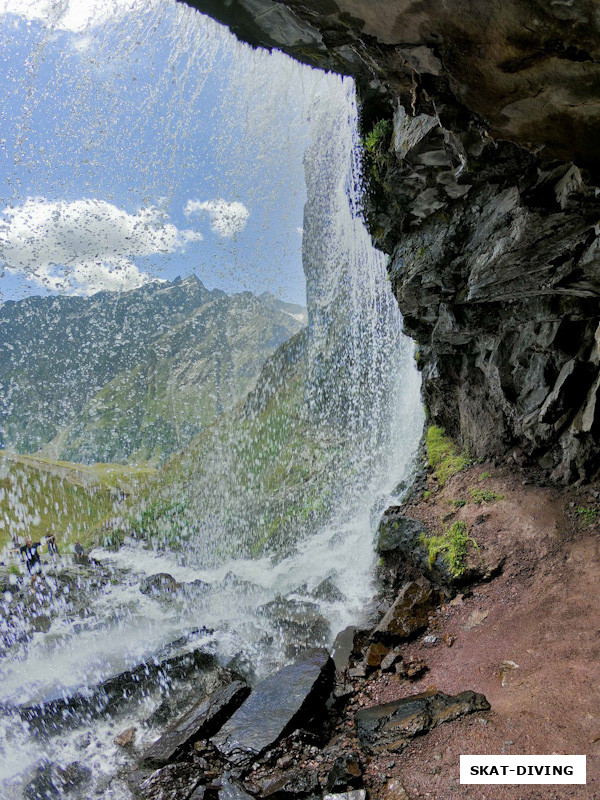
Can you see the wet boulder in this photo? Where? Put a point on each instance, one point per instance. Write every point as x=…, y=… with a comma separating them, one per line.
x=160, y=585
x=300, y=621
x=41, y=623
x=404, y=557
x=343, y=647
x=283, y=702
x=409, y=614
x=44, y=785
x=73, y=777
x=390, y=727
x=55, y=711
x=52, y=782
x=328, y=591
x=202, y=720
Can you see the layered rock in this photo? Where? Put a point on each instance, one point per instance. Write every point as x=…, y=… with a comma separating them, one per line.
x=392, y=726
x=482, y=188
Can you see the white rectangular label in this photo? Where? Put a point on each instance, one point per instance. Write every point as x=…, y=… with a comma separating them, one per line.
x=522, y=769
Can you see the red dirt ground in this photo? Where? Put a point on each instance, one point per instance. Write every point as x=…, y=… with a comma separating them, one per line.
x=541, y=614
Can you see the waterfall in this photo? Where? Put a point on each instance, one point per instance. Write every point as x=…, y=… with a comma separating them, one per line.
x=351, y=419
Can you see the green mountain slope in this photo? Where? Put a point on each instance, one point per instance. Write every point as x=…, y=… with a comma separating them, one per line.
x=254, y=480
x=131, y=376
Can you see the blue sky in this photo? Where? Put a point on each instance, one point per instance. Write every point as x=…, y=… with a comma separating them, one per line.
x=147, y=146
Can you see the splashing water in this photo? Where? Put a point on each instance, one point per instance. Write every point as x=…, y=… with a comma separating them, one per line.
x=286, y=491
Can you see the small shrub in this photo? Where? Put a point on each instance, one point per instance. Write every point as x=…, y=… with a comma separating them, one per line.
x=484, y=476
x=13, y=570
x=445, y=459
x=452, y=545
x=426, y=495
x=480, y=496
x=378, y=139
x=587, y=514
x=459, y=503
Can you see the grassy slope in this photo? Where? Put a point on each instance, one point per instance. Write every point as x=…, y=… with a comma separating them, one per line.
x=260, y=474
x=38, y=495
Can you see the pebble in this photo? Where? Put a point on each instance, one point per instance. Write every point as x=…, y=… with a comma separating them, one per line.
x=126, y=737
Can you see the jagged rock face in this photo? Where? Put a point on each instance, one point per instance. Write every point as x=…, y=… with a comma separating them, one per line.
x=482, y=188
x=530, y=68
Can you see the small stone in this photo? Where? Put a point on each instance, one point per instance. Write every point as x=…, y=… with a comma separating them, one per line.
x=394, y=790
x=125, y=738
x=448, y=639
x=390, y=660
x=429, y=640
x=476, y=618
x=345, y=773
x=357, y=672
x=375, y=655
x=355, y=794
x=343, y=690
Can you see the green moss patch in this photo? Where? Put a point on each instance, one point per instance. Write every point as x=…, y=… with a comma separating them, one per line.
x=480, y=496
x=452, y=545
x=444, y=457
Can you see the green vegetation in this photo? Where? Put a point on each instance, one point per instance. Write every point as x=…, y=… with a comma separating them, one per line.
x=459, y=503
x=377, y=141
x=484, y=476
x=445, y=459
x=480, y=496
x=377, y=145
x=76, y=502
x=255, y=479
x=452, y=545
x=587, y=514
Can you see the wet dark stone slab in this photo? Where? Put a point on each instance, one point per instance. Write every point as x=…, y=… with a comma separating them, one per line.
x=390, y=727
x=55, y=713
x=201, y=721
x=343, y=647
x=279, y=704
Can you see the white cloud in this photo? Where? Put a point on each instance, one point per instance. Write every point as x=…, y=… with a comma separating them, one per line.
x=226, y=219
x=75, y=16
x=84, y=246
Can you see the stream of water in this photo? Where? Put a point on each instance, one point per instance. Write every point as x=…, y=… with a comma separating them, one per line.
x=360, y=389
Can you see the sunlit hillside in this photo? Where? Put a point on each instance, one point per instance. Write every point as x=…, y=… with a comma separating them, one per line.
x=76, y=502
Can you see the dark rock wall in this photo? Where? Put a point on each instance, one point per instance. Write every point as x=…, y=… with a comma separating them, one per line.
x=482, y=188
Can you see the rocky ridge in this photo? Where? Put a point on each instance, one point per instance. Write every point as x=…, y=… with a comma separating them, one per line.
x=134, y=375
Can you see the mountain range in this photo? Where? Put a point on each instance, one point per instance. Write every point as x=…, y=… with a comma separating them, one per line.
x=131, y=376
